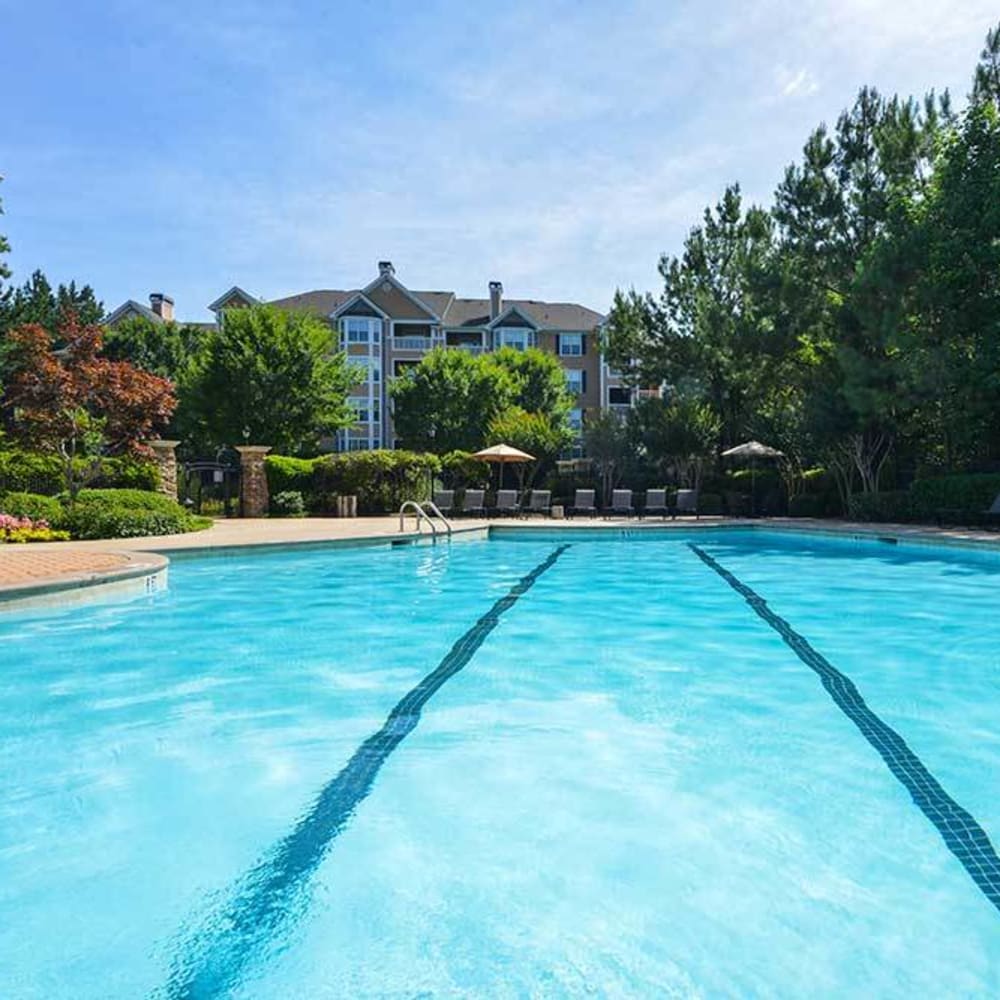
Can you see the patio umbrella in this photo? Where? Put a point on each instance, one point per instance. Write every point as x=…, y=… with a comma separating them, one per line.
x=501, y=454
x=752, y=450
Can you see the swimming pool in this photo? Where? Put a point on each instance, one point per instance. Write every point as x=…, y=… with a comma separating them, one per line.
x=548, y=764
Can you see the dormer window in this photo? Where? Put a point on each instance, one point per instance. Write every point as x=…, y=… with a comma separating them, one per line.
x=362, y=330
x=519, y=338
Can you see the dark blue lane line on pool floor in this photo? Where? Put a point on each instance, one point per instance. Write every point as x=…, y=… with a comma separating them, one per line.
x=250, y=915
x=965, y=838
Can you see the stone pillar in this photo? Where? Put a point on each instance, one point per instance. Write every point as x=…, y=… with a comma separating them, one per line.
x=166, y=461
x=253, y=480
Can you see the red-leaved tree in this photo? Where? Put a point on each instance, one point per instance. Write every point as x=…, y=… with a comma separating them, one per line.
x=78, y=404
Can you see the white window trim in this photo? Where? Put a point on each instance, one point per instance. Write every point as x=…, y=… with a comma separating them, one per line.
x=577, y=343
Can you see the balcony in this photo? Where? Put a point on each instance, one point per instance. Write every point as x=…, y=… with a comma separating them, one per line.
x=620, y=408
x=414, y=343
x=474, y=349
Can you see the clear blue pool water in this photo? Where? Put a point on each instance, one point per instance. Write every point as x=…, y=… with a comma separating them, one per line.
x=373, y=772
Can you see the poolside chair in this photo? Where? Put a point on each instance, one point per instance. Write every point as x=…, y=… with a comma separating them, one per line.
x=583, y=503
x=656, y=503
x=621, y=503
x=507, y=502
x=541, y=502
x=686, y=503
x=472, y=503
x=444, y=500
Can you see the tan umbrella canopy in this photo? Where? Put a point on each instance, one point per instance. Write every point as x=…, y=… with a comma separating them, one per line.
x=753, y=450
x=501, y=454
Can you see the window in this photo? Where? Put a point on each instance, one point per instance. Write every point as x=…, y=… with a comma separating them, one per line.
x=515, y=337
x=361, y=330
x=619, y=397
x=571, y=344
x=365, y=412
x=576, y=380
x=576, y=419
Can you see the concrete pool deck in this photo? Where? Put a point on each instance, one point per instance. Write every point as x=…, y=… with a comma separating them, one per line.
x=49, y=568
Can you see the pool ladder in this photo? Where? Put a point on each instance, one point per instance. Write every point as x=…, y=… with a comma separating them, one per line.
x=424, y=511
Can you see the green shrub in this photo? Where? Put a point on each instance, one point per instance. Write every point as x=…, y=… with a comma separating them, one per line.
x=459, y=470
x=30, y=472
x=889, y=506
x=285, y=474
x=969, y=495
x=563, y=486
x=381, y=480
x=33, y=505
x=709, y=503
x=288, y=503
x=130, y=499
x=126, y=513
x=38, y=472
x=807, y=505
x=126, y=472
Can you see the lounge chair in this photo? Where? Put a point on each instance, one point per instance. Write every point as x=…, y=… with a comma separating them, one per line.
x=621, y=503
x=541, y=502
x=507, y=502
x=583, y=503
x=444, y=500
x=656, y=503
x=472, y=503
x=686, y=503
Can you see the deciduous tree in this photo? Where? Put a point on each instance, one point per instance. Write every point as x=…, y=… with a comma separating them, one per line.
x=270, y=376
x=77, y=403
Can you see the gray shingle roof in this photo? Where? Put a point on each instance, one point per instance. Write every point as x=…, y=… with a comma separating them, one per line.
x=456, y=312
x=130, y=305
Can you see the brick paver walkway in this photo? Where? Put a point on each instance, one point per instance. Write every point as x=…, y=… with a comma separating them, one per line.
x=24, y=564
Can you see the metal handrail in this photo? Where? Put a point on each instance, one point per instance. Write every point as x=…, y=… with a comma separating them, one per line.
x=437, y=513
x=419, y=513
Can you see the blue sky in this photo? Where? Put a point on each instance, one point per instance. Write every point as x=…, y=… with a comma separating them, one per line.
x=560, y=147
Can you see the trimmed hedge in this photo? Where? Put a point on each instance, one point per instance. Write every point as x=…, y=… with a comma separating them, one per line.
x=286, y=475
x=892, y=505
x=807, y=505
x=38, y=472
x=970, y=495
x=123, y=513
x=380, y=479
x=963, y=497
x=32, y=505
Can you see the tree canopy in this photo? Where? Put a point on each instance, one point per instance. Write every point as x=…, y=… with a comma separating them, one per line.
x=451, y=399
x=169, y=349
x=37, y=302
x=853, y=322
x=267, y=376
x=77, y=403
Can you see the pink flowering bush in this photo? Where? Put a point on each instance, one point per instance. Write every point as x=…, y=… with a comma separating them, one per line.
x=23, y=529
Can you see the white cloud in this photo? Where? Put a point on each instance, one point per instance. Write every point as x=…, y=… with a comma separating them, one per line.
x=559, y=146
x=795, y=83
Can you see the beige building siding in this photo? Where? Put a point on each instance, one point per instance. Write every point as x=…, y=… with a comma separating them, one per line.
x=413, y=322
x=395, y=303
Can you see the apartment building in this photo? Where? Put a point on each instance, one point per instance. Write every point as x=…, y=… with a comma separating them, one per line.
x=385, y=327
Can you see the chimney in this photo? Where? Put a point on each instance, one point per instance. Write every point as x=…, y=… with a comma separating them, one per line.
x=162, y=305
x=496, y=299
x=385, y=269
